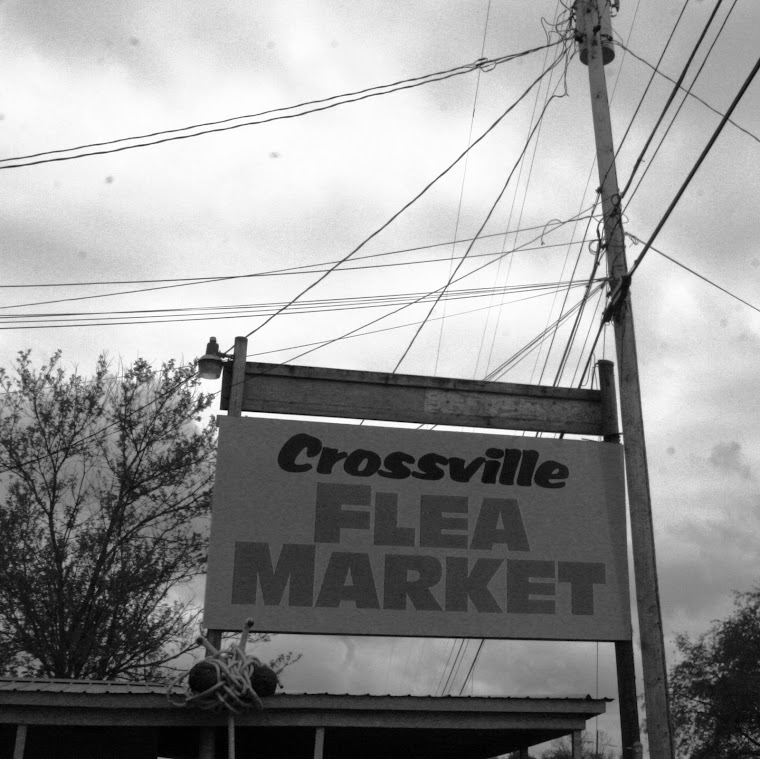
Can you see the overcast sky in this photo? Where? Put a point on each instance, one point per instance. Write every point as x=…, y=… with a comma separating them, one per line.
x=309, y=190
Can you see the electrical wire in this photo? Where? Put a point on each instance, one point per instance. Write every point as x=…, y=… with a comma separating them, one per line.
x=356, y=330
x=651, y=79
x=579, y=316
x=407, y=205
x=303, y=268
x=573, y=333
x=700, y=276
x=472, y=666
x=328, y=305
x=402, y=326
x=522, y=209
x=111, y=427
x=483, y=225
x=463, y=643
x=681, y=104
x=464, y=179
x=695, y=168
x=563, y=360
x=517, y=357
x=225, y=125
x=688, y=92
x=446, y=666
x=596, y=316
x=670, y=99
x=277, y=272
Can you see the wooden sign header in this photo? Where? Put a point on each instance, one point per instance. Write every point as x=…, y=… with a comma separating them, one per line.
x=312, y=391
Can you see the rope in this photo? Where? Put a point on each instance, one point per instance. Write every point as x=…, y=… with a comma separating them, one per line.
x=225, y=680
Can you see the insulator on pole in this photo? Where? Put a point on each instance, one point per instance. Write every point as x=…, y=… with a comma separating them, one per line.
x=590, y=20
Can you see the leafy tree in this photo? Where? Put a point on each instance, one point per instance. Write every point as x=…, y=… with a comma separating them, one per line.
x=590, y=748
x=715, y=698
x=105, y=488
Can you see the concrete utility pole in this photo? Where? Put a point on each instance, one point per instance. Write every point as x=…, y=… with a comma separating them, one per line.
x=594, y=31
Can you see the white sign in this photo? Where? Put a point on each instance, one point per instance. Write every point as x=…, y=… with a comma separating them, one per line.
x=348, y=529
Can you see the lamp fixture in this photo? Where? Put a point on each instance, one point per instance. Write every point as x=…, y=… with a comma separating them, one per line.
x=210, y=363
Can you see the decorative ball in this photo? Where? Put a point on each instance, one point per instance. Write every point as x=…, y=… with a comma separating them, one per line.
x=202, y=676
x=264, y=680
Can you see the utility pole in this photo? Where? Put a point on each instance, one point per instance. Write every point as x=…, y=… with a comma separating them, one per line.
x=594, y=32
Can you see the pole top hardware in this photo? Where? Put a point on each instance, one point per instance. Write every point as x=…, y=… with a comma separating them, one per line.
x=593, y=29
x=617, y=298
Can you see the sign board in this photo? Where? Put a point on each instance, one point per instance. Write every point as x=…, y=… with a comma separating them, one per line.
x=352, y=529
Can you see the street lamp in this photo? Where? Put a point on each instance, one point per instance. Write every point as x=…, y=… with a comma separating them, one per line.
x=210, y=364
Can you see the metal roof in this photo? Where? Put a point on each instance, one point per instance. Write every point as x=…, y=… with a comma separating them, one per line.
x=69, y=712
x=95, y=687
x=60, y=685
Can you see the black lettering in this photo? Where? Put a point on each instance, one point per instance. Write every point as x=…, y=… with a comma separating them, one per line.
x=461, y=584
x=336, y=587
x=429, y=467
x=396, y=466
x=459, y=472
x=301, y=443
x=582, y=576
x=399, y=587
x=253, y=568
x=548, y=472
x=362, y=463
x=509, y=468
x=488, y=532
x=329, y=515
x=433, y=522
x=329, y=458
x=520, y=588
x=527, y=467
x=387, y=531
x=491, y=468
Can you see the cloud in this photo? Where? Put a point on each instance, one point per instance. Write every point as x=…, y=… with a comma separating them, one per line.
x=728, y=457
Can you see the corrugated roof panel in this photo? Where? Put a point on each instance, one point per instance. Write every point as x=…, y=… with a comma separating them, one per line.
x=94, y=687
x=55, y=685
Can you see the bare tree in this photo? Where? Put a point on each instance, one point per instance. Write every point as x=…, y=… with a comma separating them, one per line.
x=106, y=492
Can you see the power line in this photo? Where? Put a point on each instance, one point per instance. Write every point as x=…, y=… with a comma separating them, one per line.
x=446, y=666
x=225, y=125
x=681, y=104
x=497, y=324
x=408, y=204
x=310, y=268
x=482, y=226
x=515, y=359
x=563, y=80
x=695, y=168
x=352, y=332
x=688, y=92
x=700, y=276
x=670, y=99
x=110, y=428
x=464, y=177
x=576, y=324
x=582, y=352
x=472, y=666
x=305, y=269
x=403, y=326
x=326, y=305
x=651, y=79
